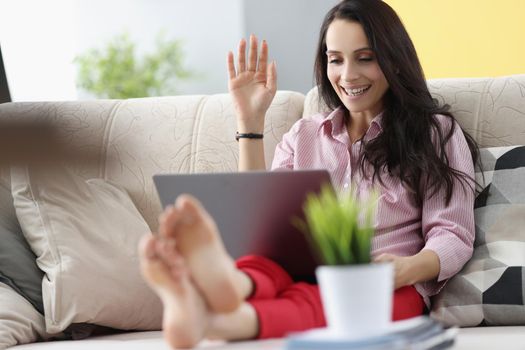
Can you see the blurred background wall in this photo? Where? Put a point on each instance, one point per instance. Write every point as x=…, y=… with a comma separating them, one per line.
x=40, y=39
x=466, y=38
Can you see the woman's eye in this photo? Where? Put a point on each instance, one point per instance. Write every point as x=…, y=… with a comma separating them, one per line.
x=334, y=61
x=365, y=59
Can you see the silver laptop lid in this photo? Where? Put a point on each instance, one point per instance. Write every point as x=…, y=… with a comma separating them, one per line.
x=254, y=211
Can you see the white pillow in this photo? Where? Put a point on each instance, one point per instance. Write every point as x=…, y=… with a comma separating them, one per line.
x=85, y=236
x=20, y=323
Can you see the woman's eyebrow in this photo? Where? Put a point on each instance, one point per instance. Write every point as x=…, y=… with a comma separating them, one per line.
x=356, y=51
x=364, y=49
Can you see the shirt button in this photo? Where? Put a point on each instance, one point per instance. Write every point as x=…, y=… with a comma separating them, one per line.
x=345, y=186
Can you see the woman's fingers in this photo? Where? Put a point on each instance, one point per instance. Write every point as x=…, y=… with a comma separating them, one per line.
x=242, y=56
x=271, y=81
x=252, y=57
x=263, y=58
x=231, y=66
x=385, y=257
x=257, y=62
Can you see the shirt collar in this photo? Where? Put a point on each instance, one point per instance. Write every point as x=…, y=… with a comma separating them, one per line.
x=334, y=123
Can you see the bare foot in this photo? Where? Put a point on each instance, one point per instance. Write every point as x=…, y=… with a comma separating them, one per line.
x=186, y=318
x=212, y=270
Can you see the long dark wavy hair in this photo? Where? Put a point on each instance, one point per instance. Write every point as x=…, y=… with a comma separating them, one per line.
x=403, y=148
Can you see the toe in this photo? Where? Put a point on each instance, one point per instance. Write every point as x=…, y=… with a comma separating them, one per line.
x=147, y=246
x=161, y=265
x=168, y=222
x=152, y=265
x=190, y=207
x=168, y=253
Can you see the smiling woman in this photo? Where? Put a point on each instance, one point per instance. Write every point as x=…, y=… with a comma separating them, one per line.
x=376, y=137
x=355, y=74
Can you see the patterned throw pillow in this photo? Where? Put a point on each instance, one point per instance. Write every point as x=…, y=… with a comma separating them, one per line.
x=490, y=290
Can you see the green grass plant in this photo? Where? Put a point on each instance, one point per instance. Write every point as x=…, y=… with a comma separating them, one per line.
x=340, y=228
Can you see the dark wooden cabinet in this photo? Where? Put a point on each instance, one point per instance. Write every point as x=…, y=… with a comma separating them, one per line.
x=5, y=96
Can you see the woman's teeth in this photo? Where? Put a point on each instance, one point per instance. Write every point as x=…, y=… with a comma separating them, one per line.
x=356, y=92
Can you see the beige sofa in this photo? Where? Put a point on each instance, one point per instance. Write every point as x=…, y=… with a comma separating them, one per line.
x=134, y=139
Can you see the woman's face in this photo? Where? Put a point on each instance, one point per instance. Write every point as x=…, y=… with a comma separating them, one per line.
x=353, y=69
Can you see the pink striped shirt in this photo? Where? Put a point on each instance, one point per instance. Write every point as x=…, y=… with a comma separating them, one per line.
x=402, y=228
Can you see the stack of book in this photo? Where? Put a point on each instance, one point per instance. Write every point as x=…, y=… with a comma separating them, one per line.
x=420, y=333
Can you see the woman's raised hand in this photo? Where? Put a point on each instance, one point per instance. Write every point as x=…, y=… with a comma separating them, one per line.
x=252, y=85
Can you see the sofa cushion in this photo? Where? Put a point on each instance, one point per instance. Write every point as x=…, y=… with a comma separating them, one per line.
x=20, y=322
x=182, y=134
x=85, y=236
x=18, y=268
x=490, y=289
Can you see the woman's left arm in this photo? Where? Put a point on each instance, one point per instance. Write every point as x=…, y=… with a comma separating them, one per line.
x=448, y=230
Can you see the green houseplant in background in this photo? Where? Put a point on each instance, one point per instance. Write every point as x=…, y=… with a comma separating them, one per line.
x=356, y=294
x=117, y=71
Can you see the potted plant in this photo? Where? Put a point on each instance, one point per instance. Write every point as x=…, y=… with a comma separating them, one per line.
x=356, y=294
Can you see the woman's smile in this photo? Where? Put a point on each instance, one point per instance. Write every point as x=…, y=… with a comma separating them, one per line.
x=355, y=92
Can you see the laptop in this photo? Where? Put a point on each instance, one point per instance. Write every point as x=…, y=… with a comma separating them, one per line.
x=254, y=212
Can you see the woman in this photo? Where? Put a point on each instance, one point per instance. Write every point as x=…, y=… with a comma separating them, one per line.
x=384, y=130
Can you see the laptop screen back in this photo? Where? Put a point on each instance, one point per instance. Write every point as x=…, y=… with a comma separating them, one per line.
x=254, y=212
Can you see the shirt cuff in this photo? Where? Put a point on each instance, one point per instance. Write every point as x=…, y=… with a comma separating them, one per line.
x=452, y=253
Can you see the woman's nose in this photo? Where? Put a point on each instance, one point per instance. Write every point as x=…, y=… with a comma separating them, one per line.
x=350, y=72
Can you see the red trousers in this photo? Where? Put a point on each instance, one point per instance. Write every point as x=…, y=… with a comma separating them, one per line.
x=284, y=306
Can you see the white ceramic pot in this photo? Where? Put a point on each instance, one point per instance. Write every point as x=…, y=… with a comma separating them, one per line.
x=357, y=299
